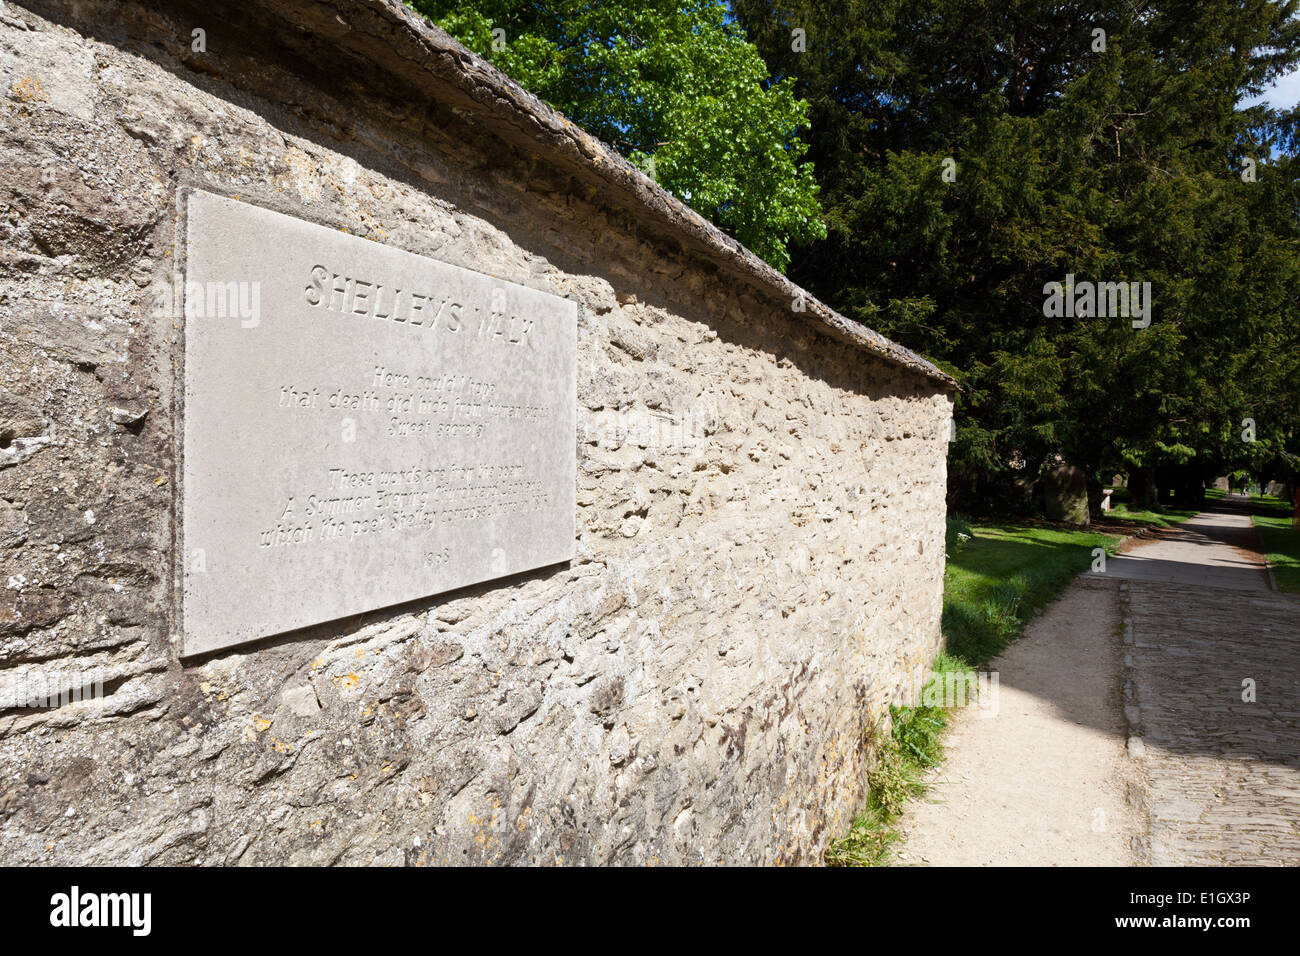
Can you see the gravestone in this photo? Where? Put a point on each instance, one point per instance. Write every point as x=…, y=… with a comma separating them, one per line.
x=1065, y=494
x=363, y=426
x=1221, y=484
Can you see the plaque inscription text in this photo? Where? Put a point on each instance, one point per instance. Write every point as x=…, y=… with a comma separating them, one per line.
x=362, y=426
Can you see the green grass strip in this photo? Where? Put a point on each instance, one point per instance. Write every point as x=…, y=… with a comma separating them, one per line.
x=1281, y=542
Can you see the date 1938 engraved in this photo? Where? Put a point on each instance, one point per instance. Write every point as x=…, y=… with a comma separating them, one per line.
x=389, y=427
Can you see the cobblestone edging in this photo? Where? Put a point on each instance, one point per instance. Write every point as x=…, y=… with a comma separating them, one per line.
x=1268, y=565
x=1134, y=745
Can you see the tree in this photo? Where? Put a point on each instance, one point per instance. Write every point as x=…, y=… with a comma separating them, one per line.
x=674, y=86
x=971, y=153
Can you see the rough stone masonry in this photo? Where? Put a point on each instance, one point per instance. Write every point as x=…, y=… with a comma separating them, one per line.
x=760, y=488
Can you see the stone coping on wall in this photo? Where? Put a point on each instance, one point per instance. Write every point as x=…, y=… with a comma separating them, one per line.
x=398, y=40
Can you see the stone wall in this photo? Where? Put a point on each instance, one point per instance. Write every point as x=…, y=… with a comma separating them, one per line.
x=760, y=491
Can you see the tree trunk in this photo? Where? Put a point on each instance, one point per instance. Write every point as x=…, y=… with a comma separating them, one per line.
x=1142, y=487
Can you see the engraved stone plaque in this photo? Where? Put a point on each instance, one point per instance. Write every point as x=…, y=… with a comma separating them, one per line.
x=362, y=426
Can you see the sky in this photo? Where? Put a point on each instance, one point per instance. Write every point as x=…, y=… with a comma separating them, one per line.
x=1284, y=94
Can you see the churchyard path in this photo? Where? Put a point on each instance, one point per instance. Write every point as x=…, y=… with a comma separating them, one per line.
x=1151, y=715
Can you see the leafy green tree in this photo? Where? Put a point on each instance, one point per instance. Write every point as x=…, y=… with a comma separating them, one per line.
x=674, y=86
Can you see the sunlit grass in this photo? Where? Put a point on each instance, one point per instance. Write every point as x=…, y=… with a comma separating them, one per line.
x=1160, y=517
x=1281, y=542
x=1004, y=575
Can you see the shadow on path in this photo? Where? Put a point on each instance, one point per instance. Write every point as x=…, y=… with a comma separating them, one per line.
x=1217, y=548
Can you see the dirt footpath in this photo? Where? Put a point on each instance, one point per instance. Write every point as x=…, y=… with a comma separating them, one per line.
x=1045, y=780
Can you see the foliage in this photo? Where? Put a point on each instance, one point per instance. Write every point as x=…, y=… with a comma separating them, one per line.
x=675, y=87
x=1122, y=161
x=868, y=842
x=913, y=745
x=958, y=533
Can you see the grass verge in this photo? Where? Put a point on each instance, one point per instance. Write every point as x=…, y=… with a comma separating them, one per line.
x=998, y=576
x=1272, y=517
x=1157, y=517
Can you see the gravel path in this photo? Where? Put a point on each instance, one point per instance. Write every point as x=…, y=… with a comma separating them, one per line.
x=1046, y=780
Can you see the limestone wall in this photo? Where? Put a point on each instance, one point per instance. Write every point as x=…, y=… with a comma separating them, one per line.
x=760, y=491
